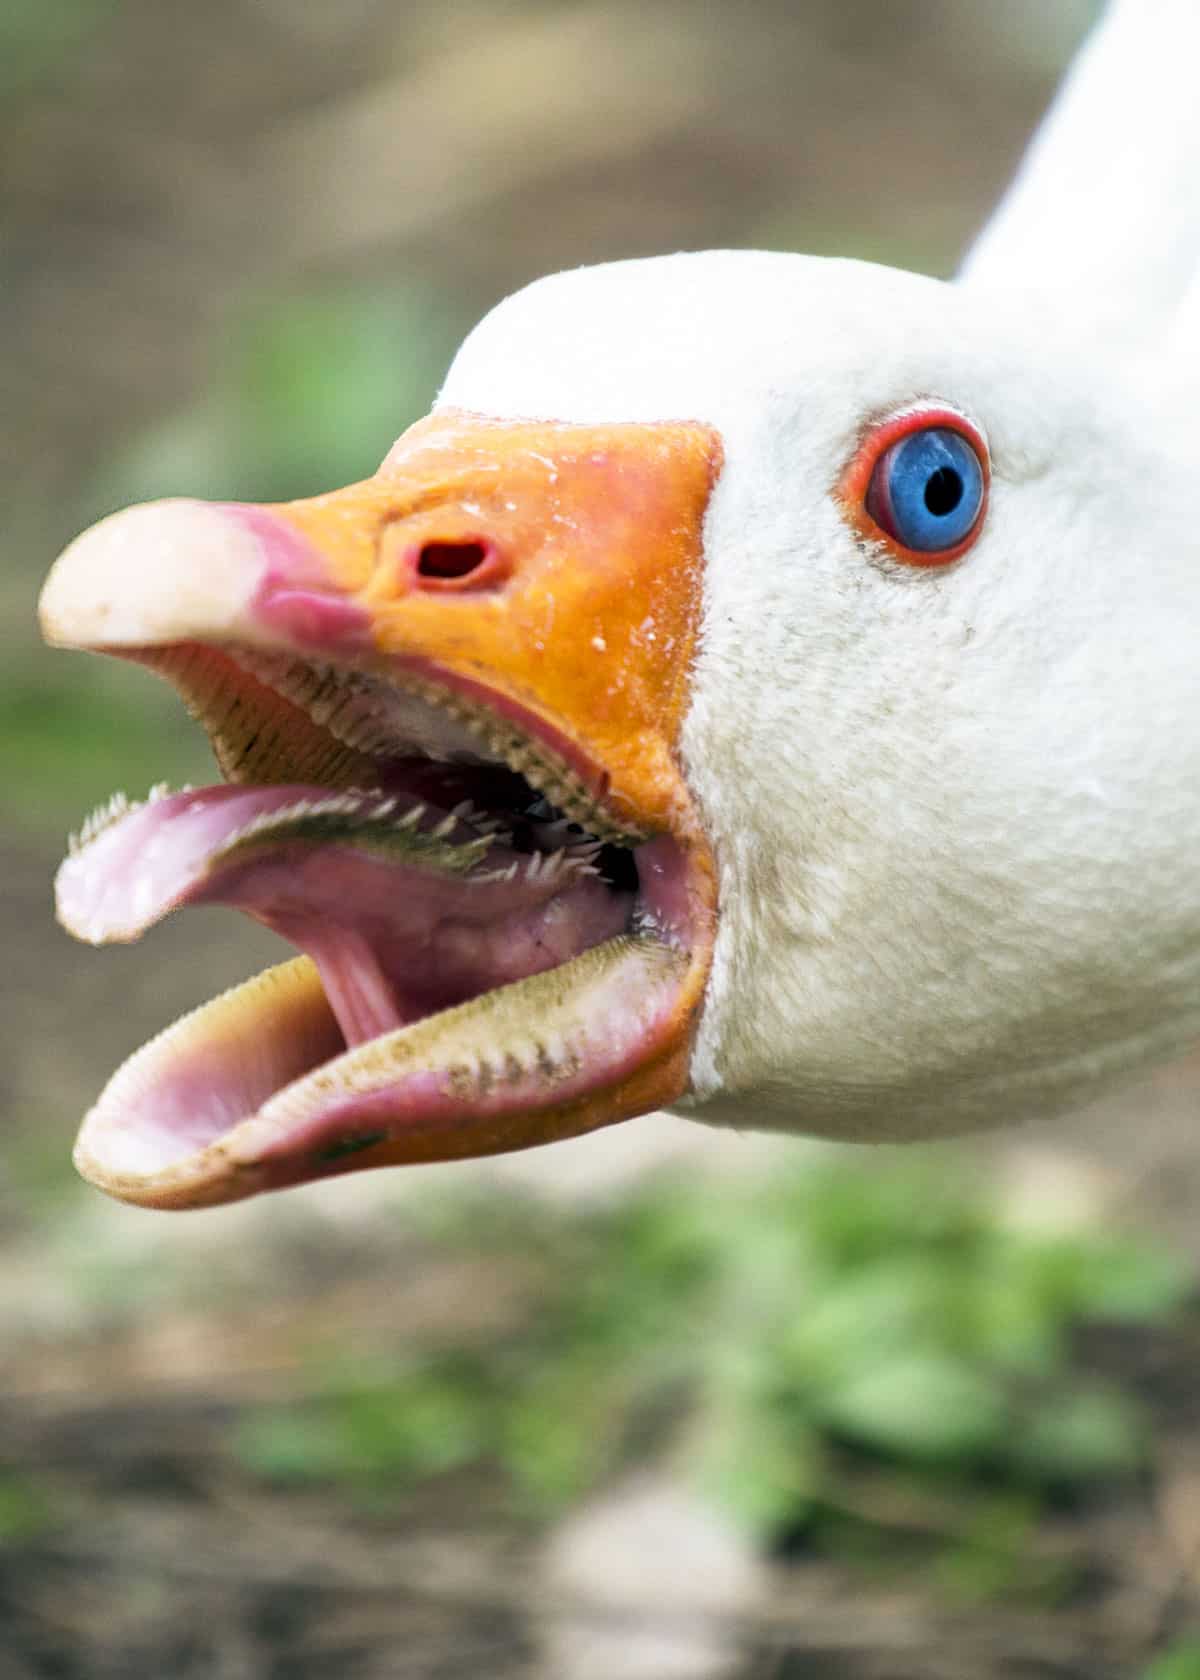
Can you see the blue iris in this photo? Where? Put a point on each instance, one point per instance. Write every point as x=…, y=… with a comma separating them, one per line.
x=927, y=490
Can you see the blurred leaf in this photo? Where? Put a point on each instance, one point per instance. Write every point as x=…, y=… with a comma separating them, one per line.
x=559, y=1433
x=1010, y=1326
x=922, y=1405
x=416, y=1422
x=1081, y=1435
x=997, y=1557
x=37, y=37
x=863, y=1316
x=423, y=1423
x=25, y=1511
x=1182, y=1662
x=987, y=1561
x=746, y=1328
x=66, y=746
x=1090, y=1275
x=762, y=1468
x=193, y=453
x=855, y=1218
x=1133, y=1283
x=284, y=1444
x=311, y=392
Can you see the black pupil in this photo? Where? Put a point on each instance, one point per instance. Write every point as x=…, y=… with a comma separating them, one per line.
x=943, y=491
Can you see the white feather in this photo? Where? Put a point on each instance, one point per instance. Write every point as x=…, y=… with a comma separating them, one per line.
x=1101, y=227
x=956, y=812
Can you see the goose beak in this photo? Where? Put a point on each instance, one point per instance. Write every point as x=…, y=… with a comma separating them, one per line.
x=390, y=676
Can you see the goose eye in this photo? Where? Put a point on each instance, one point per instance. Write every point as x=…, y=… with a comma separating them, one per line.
x=927, y=491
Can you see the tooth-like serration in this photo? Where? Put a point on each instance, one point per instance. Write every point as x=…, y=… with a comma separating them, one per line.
x=360, y=711
x=368, y=818
x=113, y=808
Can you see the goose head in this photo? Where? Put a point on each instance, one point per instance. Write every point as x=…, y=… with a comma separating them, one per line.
x=764, y=686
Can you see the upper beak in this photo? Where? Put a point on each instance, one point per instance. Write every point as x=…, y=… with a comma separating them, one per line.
x=556, y=567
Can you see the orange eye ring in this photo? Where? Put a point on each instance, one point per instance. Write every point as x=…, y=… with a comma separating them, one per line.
x=864, y=492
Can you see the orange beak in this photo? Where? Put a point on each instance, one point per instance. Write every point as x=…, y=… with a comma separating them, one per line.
x=522, y=596
x=558, y=566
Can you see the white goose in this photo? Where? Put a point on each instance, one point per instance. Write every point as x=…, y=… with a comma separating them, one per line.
x=854, y=613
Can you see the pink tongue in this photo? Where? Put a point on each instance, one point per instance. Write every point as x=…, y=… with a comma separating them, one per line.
x=395, y=935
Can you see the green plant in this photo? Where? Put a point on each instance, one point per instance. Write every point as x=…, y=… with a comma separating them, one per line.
x=25, y=1509
x=37, y=41
x=310, y=389
x=762, y=1332
x=1181, y=1662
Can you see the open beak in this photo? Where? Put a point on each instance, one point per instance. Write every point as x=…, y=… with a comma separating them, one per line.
x=446, y=703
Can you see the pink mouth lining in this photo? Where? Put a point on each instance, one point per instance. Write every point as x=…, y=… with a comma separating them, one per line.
x=458, y=981
x=400, y=921
x=250, y=1094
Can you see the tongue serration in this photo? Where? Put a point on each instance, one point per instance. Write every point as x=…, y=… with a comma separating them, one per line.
x=144, y=863
x=391, y=904
x=452, y=998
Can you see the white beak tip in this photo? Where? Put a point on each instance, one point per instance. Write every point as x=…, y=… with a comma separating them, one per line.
x=157, y=573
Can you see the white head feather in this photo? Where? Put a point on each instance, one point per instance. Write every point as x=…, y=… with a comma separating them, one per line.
x=956, y=811
x=1102, y=225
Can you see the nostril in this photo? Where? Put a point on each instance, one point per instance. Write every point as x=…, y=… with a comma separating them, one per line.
x=456, y=565
x=451, y=560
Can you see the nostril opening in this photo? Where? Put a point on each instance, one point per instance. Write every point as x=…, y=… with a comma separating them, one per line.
x=452, y=559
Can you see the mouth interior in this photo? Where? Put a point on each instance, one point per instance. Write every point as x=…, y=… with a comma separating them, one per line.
x=450, y=870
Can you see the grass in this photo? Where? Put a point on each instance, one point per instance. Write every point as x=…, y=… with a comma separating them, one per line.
x=765, y=1338
x=310, y=391
x=1181, y=1662
x=40, y=41
x=74, y=731
x=26, y=1510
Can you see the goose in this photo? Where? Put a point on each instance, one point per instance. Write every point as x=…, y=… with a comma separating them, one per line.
x=763, y=687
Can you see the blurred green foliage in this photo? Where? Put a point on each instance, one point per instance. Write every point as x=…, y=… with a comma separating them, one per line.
x=308, y=392
x=25, y=1509
x=72, y=733
x=759, y=1333
x=1181, y=1662
x=36, y=36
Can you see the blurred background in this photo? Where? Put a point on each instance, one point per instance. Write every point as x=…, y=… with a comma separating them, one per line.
x=658, y=1403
